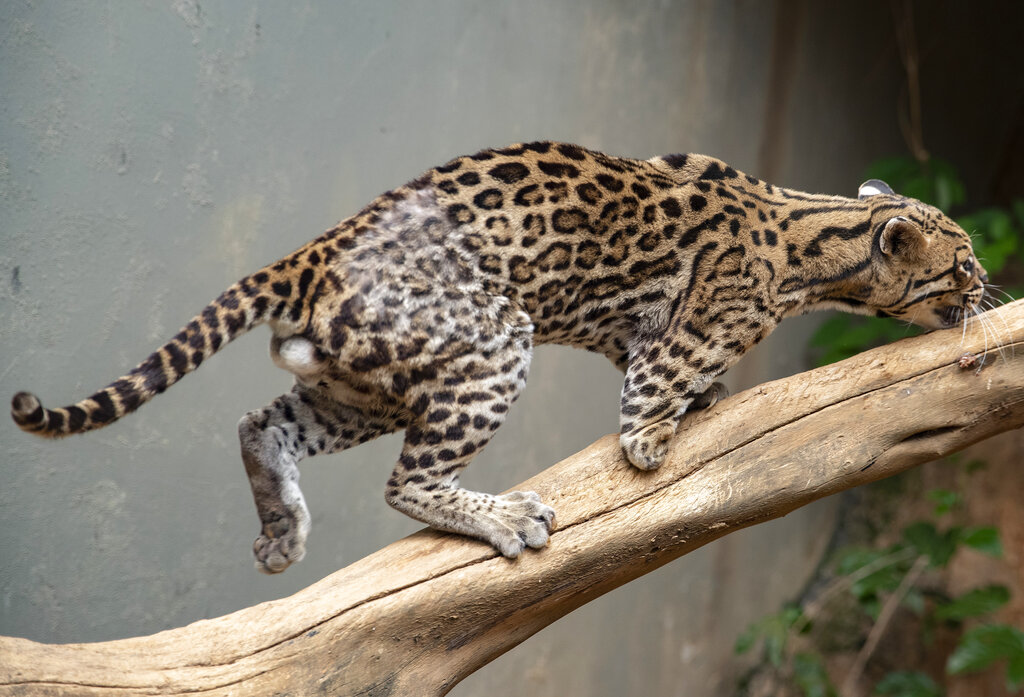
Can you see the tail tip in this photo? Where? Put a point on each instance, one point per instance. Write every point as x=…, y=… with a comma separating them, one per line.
x=27, y=411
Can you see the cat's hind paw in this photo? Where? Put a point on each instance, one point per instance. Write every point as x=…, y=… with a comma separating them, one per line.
x=280, y=545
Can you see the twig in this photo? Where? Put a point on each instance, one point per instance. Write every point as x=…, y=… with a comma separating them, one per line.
x=911, y=123
x=881, y=625
x=842, y=583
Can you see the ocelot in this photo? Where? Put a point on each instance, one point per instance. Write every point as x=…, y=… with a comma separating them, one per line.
x=421, y=312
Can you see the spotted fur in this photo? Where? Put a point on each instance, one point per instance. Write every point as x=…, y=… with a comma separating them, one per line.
x=421, y=312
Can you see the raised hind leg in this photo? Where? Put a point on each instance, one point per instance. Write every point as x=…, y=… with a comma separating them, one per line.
x=274, y=439
x=454, y=416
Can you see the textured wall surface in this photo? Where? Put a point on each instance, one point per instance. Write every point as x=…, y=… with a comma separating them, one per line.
x=151, y=153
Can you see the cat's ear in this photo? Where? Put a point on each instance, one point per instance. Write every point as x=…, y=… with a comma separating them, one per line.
x=902, y=238
x=873, y=187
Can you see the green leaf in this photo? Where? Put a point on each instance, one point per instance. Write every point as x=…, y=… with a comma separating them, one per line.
x=745, y=641
x=982, y=646
x=905, y=683
x=944, y=499
x=811, y=677
x=774, y=630
x=980, y=601
x=995, y=237
x=983, y=538
x=775, y=648
x=871, y=606
x=926, y=539
x=777, y=634
x=855, y=557
x=1015, y=672
x=885, y=578
x=975, y=465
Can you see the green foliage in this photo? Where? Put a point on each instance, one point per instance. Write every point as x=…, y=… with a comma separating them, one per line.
x=842, y=336
x=935, y=182
x=810, y=675
x=983, y=538
x=906, y=683
x=974, y=603
x=872, y=573
x=926, y=539
x=982, y=646
x=975, y=466
x=871, y=576
x=945, y=500
x=996, y=235
x=774, y=630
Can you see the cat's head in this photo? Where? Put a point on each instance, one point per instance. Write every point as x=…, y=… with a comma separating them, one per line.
x=923, y=266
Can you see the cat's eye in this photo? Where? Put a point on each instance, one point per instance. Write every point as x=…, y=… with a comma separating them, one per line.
x=967, y=266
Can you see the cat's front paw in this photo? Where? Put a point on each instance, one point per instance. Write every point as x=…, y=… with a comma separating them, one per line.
x=519, y=520
x=646, y=449
x=281, y=544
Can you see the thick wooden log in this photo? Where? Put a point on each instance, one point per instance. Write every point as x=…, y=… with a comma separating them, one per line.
x=424, y=612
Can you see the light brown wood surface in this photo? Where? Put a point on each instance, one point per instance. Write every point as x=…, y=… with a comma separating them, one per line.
x=424, y=612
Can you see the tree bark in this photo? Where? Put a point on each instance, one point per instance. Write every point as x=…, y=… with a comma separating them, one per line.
x=423, y=613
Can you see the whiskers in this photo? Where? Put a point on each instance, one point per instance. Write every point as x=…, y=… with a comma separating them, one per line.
x=989, y=287
x=995, y=337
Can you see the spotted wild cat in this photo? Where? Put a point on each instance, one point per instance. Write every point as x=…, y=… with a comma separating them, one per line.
x=421, y=312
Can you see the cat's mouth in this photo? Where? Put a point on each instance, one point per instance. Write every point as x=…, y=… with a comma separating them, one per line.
x=970, y=302
x=954, y=314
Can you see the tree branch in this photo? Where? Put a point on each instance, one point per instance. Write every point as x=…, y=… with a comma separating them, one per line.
x=421, y=614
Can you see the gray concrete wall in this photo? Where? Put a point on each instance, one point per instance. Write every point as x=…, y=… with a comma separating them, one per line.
x=153, y=152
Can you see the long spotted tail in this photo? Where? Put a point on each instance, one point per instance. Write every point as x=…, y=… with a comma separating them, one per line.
x=238, y=309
